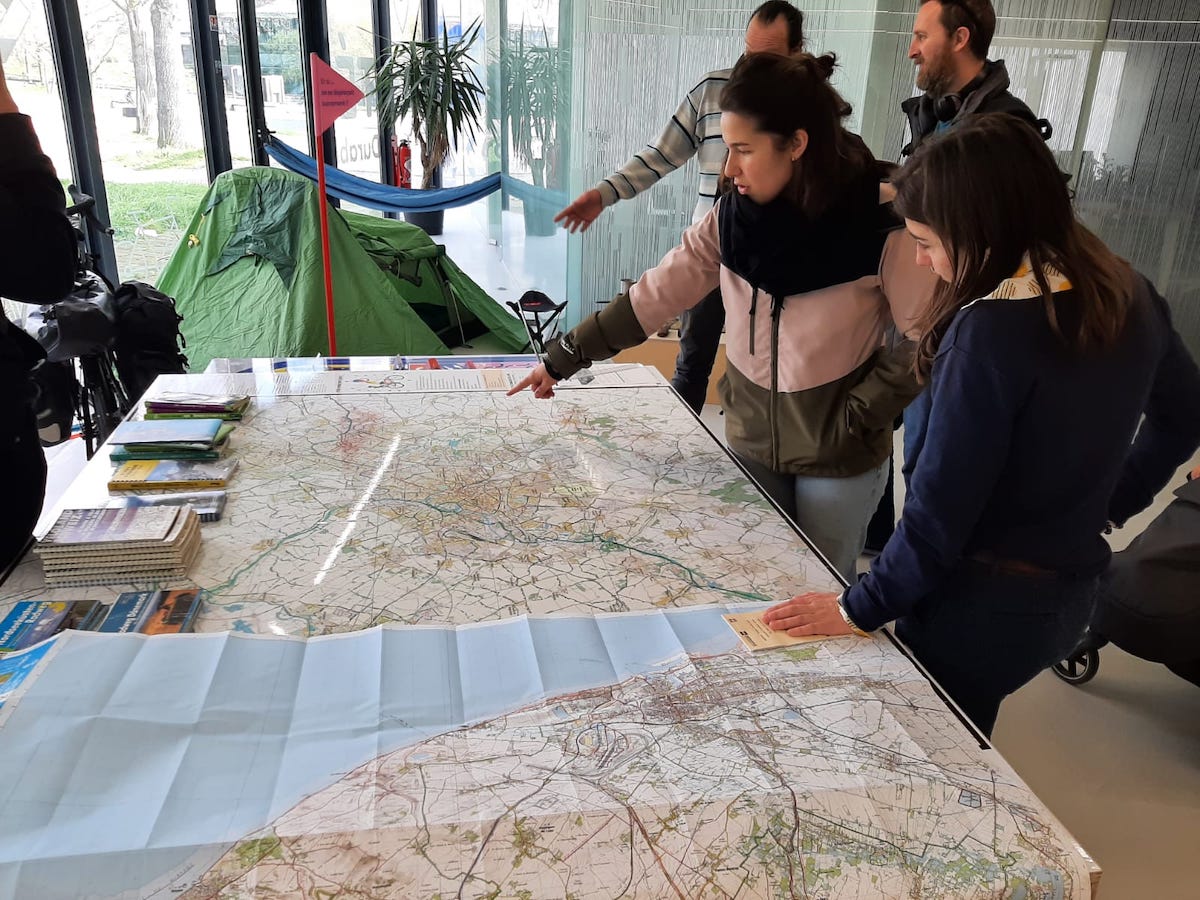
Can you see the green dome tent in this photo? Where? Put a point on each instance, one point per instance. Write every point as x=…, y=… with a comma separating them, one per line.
x=248, y=279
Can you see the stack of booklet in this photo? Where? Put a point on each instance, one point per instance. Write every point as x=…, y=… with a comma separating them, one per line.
x=193, y=439
x=171, y=454
x=172, y=474
x=179, y=405
x=116, y=546
x=121, y=453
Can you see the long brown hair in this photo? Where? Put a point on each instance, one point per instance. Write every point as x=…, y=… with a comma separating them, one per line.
x=992, y=192
x=783, y=94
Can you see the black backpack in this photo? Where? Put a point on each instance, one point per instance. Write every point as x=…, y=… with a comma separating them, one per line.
x=148, y=338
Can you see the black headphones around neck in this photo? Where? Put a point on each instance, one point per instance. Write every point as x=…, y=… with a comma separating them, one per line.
x=947, y=106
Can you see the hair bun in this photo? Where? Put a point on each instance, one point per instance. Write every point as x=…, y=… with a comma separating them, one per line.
x=824, y=64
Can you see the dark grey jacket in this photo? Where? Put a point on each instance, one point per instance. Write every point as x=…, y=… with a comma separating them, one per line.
x=992, y=96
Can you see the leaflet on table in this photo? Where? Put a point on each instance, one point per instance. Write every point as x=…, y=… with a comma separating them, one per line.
x=266, y=364
x=15, y=668
x=247, y=365
x=402, y=381
x=433, y=381
x=512, y=361
x=758, y=635
x=32, y=621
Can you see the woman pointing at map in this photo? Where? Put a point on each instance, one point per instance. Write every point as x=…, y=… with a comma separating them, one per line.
x=813, y=269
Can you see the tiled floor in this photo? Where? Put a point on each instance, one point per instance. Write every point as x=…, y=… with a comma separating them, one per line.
x=1118, y=760
x=508, y=262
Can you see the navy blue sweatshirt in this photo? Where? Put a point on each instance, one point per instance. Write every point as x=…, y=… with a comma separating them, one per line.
x=1027, y=453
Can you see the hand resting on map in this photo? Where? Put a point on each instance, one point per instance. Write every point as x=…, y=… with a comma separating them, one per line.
x=539, y=381
x=807, y=614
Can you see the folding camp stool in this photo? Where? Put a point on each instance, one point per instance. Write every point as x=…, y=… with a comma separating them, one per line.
x=540, y=314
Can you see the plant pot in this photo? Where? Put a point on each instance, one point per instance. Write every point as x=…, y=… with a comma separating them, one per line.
x=429, y=222
x=539, y=217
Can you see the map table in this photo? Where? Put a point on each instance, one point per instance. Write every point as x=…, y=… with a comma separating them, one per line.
x=461, y=644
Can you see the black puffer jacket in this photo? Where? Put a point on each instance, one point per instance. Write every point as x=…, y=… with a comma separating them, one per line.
x=37, y=258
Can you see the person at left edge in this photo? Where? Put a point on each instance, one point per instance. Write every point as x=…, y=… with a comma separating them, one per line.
x=813, y=271
x=37, y=265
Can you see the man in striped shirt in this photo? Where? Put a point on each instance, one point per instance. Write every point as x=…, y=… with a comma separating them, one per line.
x=775, y=27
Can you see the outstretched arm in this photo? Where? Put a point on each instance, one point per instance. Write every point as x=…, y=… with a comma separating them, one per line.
x=677, y=144
x=684, y=277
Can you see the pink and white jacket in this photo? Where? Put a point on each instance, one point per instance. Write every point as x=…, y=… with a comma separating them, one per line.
x=813, y=382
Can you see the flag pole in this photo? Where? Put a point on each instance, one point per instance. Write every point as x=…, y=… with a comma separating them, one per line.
x=326, y=258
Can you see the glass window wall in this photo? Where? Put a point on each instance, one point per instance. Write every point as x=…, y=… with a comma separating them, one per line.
x=576, y=86
x=233, y=73
x=282, y=71
x=148, y=119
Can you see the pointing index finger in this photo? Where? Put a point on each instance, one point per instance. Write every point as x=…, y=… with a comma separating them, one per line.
x=521, y=385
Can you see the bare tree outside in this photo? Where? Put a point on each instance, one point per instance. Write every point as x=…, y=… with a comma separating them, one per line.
x=168, y=67
x=107, y=34
x=145, y=93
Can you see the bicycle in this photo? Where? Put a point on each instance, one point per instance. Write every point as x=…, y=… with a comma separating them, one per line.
x=78, y=334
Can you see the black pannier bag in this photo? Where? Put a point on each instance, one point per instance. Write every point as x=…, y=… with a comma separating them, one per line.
x=83, y=324
x=54, y=400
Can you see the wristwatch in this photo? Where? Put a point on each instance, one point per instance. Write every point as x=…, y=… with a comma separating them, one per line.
x=846, y=617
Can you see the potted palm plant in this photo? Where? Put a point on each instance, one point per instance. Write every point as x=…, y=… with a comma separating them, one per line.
x=432, y=84
x=534, y=87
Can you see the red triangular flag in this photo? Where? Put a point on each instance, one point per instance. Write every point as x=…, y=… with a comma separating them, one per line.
x=332, y=94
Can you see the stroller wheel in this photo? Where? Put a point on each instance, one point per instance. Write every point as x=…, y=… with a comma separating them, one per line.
x=1080, y=668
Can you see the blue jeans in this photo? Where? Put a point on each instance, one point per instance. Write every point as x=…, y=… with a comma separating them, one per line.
x=916, y=420
x=699, y=337
x=832, y=512
x=984, y=633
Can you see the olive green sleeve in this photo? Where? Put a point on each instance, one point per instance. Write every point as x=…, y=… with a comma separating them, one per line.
x=600, y=336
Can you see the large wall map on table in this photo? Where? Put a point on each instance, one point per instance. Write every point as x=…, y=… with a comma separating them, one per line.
x=627, y=755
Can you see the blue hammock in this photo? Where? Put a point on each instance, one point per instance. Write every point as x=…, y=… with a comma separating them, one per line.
x=386, y=198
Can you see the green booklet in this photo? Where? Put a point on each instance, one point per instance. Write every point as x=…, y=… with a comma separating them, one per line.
x=120, y=453
x=189, y=434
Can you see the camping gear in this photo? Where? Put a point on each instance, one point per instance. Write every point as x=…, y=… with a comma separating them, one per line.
x=384, y=197
x=248, y=280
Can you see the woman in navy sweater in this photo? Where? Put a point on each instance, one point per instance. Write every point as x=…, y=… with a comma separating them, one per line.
x=1044, y=350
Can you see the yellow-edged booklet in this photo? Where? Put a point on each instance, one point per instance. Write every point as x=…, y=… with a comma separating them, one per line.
x=171, y=474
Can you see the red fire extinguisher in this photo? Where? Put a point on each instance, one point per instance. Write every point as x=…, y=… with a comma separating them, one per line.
x=402, y=162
